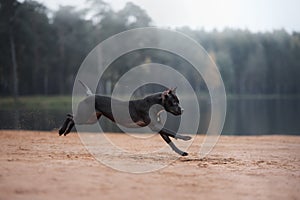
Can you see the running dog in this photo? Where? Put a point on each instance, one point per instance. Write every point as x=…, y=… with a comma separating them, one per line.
x=94, y=106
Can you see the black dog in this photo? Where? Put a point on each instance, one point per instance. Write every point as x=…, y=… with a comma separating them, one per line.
x=87, y=113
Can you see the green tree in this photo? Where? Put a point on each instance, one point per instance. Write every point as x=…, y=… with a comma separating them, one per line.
x=8, y=21
x=73, y=40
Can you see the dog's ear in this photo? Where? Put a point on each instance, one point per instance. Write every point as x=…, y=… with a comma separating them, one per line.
x=174, y=90
x=165, y=94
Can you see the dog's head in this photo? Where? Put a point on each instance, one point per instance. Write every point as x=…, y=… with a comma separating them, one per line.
x=170, y=102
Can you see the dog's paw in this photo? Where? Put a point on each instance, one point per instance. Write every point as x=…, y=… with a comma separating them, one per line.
x=185, y=137
x=184, y=154
x=60, y=132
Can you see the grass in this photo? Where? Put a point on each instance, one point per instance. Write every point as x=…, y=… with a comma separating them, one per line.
x=37, y=102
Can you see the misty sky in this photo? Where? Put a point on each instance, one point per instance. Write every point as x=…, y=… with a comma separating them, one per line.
x=255, y=15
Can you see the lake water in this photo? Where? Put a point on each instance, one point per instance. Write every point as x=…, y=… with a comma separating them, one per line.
x=263, y=116
x=244, y=117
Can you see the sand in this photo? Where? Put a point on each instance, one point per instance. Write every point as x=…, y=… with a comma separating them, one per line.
x=41, y=165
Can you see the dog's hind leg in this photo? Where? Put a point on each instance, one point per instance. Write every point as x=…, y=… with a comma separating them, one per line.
x=70, y=126
x=86, y=113
x=172, y=145
x=65, y=125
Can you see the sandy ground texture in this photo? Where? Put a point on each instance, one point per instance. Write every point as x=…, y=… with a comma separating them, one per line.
x=41, y=165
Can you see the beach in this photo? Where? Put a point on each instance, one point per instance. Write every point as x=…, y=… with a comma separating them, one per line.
x=42, y=165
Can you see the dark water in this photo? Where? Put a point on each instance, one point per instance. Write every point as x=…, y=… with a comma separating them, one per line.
x=244, y=117
x=263, y=116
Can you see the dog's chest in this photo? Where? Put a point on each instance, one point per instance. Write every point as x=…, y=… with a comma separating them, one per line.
x=136, y=124
x=141, y=123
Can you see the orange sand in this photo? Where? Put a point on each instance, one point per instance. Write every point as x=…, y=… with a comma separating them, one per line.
x=41, y=165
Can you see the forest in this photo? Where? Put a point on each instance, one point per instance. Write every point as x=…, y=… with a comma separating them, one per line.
x=41, y=50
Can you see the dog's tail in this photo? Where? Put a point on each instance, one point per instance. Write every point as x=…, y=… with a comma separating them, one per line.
x=87, y=89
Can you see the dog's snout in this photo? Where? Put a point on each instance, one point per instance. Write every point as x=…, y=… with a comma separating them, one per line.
x=182, y=110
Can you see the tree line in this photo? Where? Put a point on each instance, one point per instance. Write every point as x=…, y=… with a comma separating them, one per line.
x=41, y=51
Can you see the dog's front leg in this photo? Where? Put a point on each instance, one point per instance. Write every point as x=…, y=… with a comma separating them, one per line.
x=174, y=135
x=172, y=145
x=162, y=130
